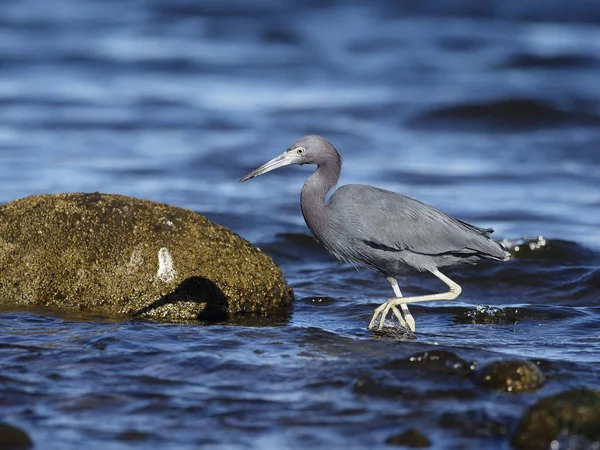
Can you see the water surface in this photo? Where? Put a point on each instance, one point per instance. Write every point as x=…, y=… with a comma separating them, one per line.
x=491, y=115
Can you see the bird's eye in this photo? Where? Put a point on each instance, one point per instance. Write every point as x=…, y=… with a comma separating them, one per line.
x=300, y=151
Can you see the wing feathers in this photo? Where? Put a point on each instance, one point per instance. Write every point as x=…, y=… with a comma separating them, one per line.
x=388, y=221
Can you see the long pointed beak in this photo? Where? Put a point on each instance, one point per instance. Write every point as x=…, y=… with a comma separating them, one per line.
x=277, y=162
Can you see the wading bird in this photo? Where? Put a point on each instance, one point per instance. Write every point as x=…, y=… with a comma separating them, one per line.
x=381, y=230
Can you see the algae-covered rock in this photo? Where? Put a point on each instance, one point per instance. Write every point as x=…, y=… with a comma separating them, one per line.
x=514, y=376
x=568, y=414
x=118, y=255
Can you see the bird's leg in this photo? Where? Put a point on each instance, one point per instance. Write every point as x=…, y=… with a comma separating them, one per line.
x=408, y=317
x=398, y=315
x=452, y=293
x=398, y=293
x=409, y=323
x=409, y=320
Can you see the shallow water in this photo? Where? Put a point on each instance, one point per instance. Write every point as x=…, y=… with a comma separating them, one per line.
x=490, y=115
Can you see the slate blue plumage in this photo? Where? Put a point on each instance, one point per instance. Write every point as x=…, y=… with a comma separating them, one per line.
x=381, y=230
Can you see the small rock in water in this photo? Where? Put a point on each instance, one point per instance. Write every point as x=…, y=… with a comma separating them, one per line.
x=510, y=376
x=409, y=438
x=13, y=438
x=395, y=331
x=560, y=418
x=488, y=315
x=134, y=436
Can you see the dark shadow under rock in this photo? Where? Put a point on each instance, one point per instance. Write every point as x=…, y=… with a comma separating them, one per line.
x=197, y=298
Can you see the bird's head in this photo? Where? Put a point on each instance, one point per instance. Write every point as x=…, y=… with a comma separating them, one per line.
x=307, y=150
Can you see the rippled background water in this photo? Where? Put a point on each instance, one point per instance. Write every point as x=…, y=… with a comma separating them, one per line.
x=488, y=110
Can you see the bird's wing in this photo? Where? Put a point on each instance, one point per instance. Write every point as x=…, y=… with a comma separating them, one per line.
x=389, y=221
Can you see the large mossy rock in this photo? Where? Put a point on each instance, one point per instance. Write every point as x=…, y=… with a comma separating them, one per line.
x=121, y=256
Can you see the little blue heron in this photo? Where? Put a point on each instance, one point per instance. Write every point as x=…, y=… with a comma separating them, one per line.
x=381, y=230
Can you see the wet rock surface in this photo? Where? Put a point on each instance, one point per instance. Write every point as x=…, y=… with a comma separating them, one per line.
x=440, y=361
x=122, y=256
x=410, y=438
x=13, y=438
x=514, y=376
x=569, y=417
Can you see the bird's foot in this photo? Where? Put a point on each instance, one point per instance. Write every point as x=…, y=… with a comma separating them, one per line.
x=407, y=321
x=376, y=320
x=382, y=311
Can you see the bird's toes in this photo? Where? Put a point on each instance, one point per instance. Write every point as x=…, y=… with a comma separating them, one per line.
x=374, y=322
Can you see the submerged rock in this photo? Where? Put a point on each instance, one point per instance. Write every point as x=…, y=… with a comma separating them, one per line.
x=574, y=413
x=473, y=423
x=489, y=315
x=510, y=376
x=441, y=361
x=13, y=438
x=508, y=115
x=409, y=438
x=121, y=256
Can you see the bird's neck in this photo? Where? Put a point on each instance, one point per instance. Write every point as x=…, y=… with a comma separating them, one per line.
x=312, y=198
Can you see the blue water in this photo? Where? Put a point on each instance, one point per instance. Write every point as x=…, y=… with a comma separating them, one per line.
x=490, y=114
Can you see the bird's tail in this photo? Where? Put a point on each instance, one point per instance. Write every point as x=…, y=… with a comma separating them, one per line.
x=485, y=245
x=493, y=249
